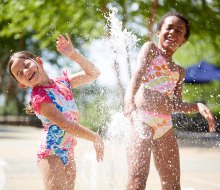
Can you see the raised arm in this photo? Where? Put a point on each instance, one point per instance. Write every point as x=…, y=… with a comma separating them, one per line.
x=185, y=107
x=89, y=70
x=146, y=54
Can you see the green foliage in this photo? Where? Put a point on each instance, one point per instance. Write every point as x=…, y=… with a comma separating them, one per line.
x=94, y=112
x=207, y=93
x=198, y=49
x=33, y=25
x=47, y=18
x=9, y=109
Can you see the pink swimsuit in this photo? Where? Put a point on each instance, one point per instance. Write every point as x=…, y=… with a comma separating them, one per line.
x=56, y=141
x=159, y=78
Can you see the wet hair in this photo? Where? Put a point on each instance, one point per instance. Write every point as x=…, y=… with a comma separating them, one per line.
x=179, y=15
x=23, y=55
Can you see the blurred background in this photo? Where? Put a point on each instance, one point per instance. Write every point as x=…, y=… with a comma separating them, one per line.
x=33, y=25
x=110, y=34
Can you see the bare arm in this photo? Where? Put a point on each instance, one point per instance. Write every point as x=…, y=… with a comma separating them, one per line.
x=145, y=56
x=50, y=111
x=185, y=107
x=178, y=104
x=90, y=71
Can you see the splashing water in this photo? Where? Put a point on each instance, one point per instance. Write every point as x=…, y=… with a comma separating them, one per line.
x=122, y=45
x=113, y=169
x=123, y=42
x=118, y=128
x=120, y=38
x=112, y=172
x=142, y=130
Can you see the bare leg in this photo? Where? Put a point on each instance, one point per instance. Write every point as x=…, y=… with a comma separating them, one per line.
x=55, y=175
x=166, y=157
x=138, y=156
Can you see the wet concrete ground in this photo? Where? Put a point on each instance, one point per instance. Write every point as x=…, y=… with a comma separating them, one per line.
x=200, y=163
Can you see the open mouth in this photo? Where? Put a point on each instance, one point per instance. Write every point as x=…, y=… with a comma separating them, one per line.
x=32, y=76
x=170, y=40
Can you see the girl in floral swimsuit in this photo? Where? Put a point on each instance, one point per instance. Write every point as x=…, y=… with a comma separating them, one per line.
x=54, y=105
x=56, y=141
x=154, y=93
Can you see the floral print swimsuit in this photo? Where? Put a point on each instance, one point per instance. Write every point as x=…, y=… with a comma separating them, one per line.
x=56, y=141
x=160, y=78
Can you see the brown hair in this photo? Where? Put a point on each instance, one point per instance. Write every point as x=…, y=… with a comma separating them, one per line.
x=23, y=55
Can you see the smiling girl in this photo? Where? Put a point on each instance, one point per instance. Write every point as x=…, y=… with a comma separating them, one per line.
x=54, y=104
x=154, y=93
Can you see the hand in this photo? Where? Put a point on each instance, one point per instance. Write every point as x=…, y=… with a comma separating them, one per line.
x=64, y=45
x=129, y=107
x=99, y=148
x=206, y=113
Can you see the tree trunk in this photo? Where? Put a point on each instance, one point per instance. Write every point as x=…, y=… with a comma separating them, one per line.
x=150, y=20
x=10, y=89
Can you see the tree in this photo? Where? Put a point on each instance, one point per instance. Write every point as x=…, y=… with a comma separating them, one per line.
x=33, y=25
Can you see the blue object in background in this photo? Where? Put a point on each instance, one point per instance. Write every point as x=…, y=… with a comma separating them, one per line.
x=203, y=72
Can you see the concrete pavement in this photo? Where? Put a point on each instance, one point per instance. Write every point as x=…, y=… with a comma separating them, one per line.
x=200, y=165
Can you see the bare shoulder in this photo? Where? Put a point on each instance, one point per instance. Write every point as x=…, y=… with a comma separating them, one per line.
x=149, y=47
x=149, y=50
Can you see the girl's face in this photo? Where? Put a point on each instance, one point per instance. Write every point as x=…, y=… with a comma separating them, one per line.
x=27, y=71
x=172, y=33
